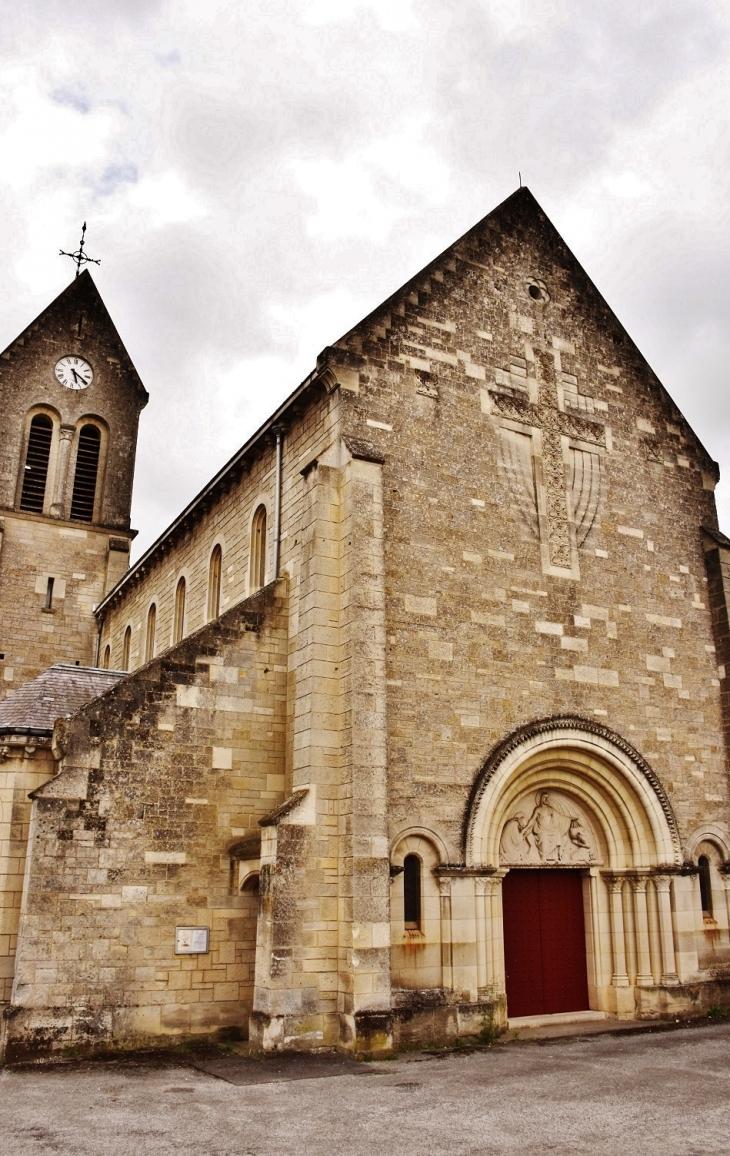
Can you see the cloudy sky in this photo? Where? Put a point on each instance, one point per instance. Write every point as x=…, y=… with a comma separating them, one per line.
x=258, y=176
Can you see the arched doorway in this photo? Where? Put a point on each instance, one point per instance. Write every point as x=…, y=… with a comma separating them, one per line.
x=579, y=852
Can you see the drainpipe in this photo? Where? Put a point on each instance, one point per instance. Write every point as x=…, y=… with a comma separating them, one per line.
x=277, y=502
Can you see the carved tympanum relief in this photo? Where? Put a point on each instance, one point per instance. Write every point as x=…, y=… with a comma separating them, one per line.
x=556, y=831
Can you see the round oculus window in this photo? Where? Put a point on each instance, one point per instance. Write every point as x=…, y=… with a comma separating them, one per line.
x=538, y=290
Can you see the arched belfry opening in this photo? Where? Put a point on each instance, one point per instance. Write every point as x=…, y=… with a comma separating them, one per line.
x=577, y=838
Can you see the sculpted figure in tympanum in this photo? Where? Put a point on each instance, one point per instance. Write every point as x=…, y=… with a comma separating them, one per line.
x=556, y=832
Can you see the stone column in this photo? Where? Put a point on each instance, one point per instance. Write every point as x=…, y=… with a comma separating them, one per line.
x=666, y=931
x=66, y=434
x=480, y=895
x=644, y=976
x=620, y=976
x=447, y=980
x=495, y=934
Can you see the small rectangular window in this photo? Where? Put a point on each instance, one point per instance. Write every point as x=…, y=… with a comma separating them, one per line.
x=49, y=594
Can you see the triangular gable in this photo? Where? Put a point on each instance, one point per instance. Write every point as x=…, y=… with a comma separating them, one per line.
x=81, y=296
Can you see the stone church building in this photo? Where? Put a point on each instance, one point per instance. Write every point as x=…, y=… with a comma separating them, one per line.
x=413, y=723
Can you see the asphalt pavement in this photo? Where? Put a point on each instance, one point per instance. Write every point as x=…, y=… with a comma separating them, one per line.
x=657, y=1094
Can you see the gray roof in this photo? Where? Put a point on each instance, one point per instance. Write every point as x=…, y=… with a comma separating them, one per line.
x=59, y=691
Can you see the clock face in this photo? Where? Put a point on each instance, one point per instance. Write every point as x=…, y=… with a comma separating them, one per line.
x=74, y=372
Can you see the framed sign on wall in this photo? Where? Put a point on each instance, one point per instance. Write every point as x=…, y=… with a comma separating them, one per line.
x=192, y=940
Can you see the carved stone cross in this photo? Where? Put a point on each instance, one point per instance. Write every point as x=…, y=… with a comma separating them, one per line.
x=551, y=454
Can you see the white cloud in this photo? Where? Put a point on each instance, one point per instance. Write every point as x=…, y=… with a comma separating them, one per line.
x=258, y=177
x=166, y=200
x=45, y=140
x=392, y=15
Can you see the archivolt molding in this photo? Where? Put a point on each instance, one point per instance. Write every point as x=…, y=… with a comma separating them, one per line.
x=579, y=734
x=708, y=833
x=411, y=837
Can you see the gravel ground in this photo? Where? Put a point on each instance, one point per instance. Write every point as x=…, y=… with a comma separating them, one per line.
x=662, y=1093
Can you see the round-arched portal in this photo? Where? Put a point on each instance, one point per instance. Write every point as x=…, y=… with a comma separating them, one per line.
x=611, y=795
x=578, y=849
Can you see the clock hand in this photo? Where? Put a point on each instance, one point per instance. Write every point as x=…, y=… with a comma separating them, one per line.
x=77, y=376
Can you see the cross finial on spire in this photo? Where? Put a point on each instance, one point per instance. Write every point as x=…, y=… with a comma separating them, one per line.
x=79, y=257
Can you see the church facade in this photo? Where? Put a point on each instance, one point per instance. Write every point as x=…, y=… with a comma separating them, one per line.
x=424, y=728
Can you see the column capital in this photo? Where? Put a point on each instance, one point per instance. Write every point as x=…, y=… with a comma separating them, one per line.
x=663, y=882
x=615, y=882
x=638, y=883
x=66, y=431
x=444, y=885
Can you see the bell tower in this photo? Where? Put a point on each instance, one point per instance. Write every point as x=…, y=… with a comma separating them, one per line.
x=70, y=399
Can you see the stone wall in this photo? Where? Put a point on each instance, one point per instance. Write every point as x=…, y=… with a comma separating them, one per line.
x=485, y=632
x=84, y=563
x=25, y=764
x=159, y=778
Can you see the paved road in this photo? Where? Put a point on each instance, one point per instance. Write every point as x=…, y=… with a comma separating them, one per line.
x=640, y=1095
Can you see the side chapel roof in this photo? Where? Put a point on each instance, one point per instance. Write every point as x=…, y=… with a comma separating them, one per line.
x=59, y=691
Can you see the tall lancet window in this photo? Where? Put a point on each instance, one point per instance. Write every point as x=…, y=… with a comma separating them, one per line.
x=214, y=583
x=126, y=648
x=178, y=622
x=705, y=884
x=258, y=549
x=149, y=650
x=412, y=892
x=35, y=472
x=87, y=468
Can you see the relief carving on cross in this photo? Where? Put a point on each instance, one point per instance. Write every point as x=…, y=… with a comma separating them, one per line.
x=551, y=446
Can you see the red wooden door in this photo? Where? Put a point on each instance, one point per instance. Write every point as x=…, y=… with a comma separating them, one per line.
x=544, y=942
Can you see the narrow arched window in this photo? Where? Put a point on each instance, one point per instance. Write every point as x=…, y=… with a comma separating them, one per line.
x=107, y=658
x=412, y=892
x=35, y=471
x=87, y=468
x=126, y=648
x=214, y=583
x=178, y=621
x=705, y=884
x=258, y=549
x=149, y=647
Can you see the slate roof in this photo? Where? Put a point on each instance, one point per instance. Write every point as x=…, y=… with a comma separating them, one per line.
x=59, y=691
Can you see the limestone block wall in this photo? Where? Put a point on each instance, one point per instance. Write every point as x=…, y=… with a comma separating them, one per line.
x=83, y=561
x=25, y=764
x=159, y=778
x=506, y=599
x=224, y=519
